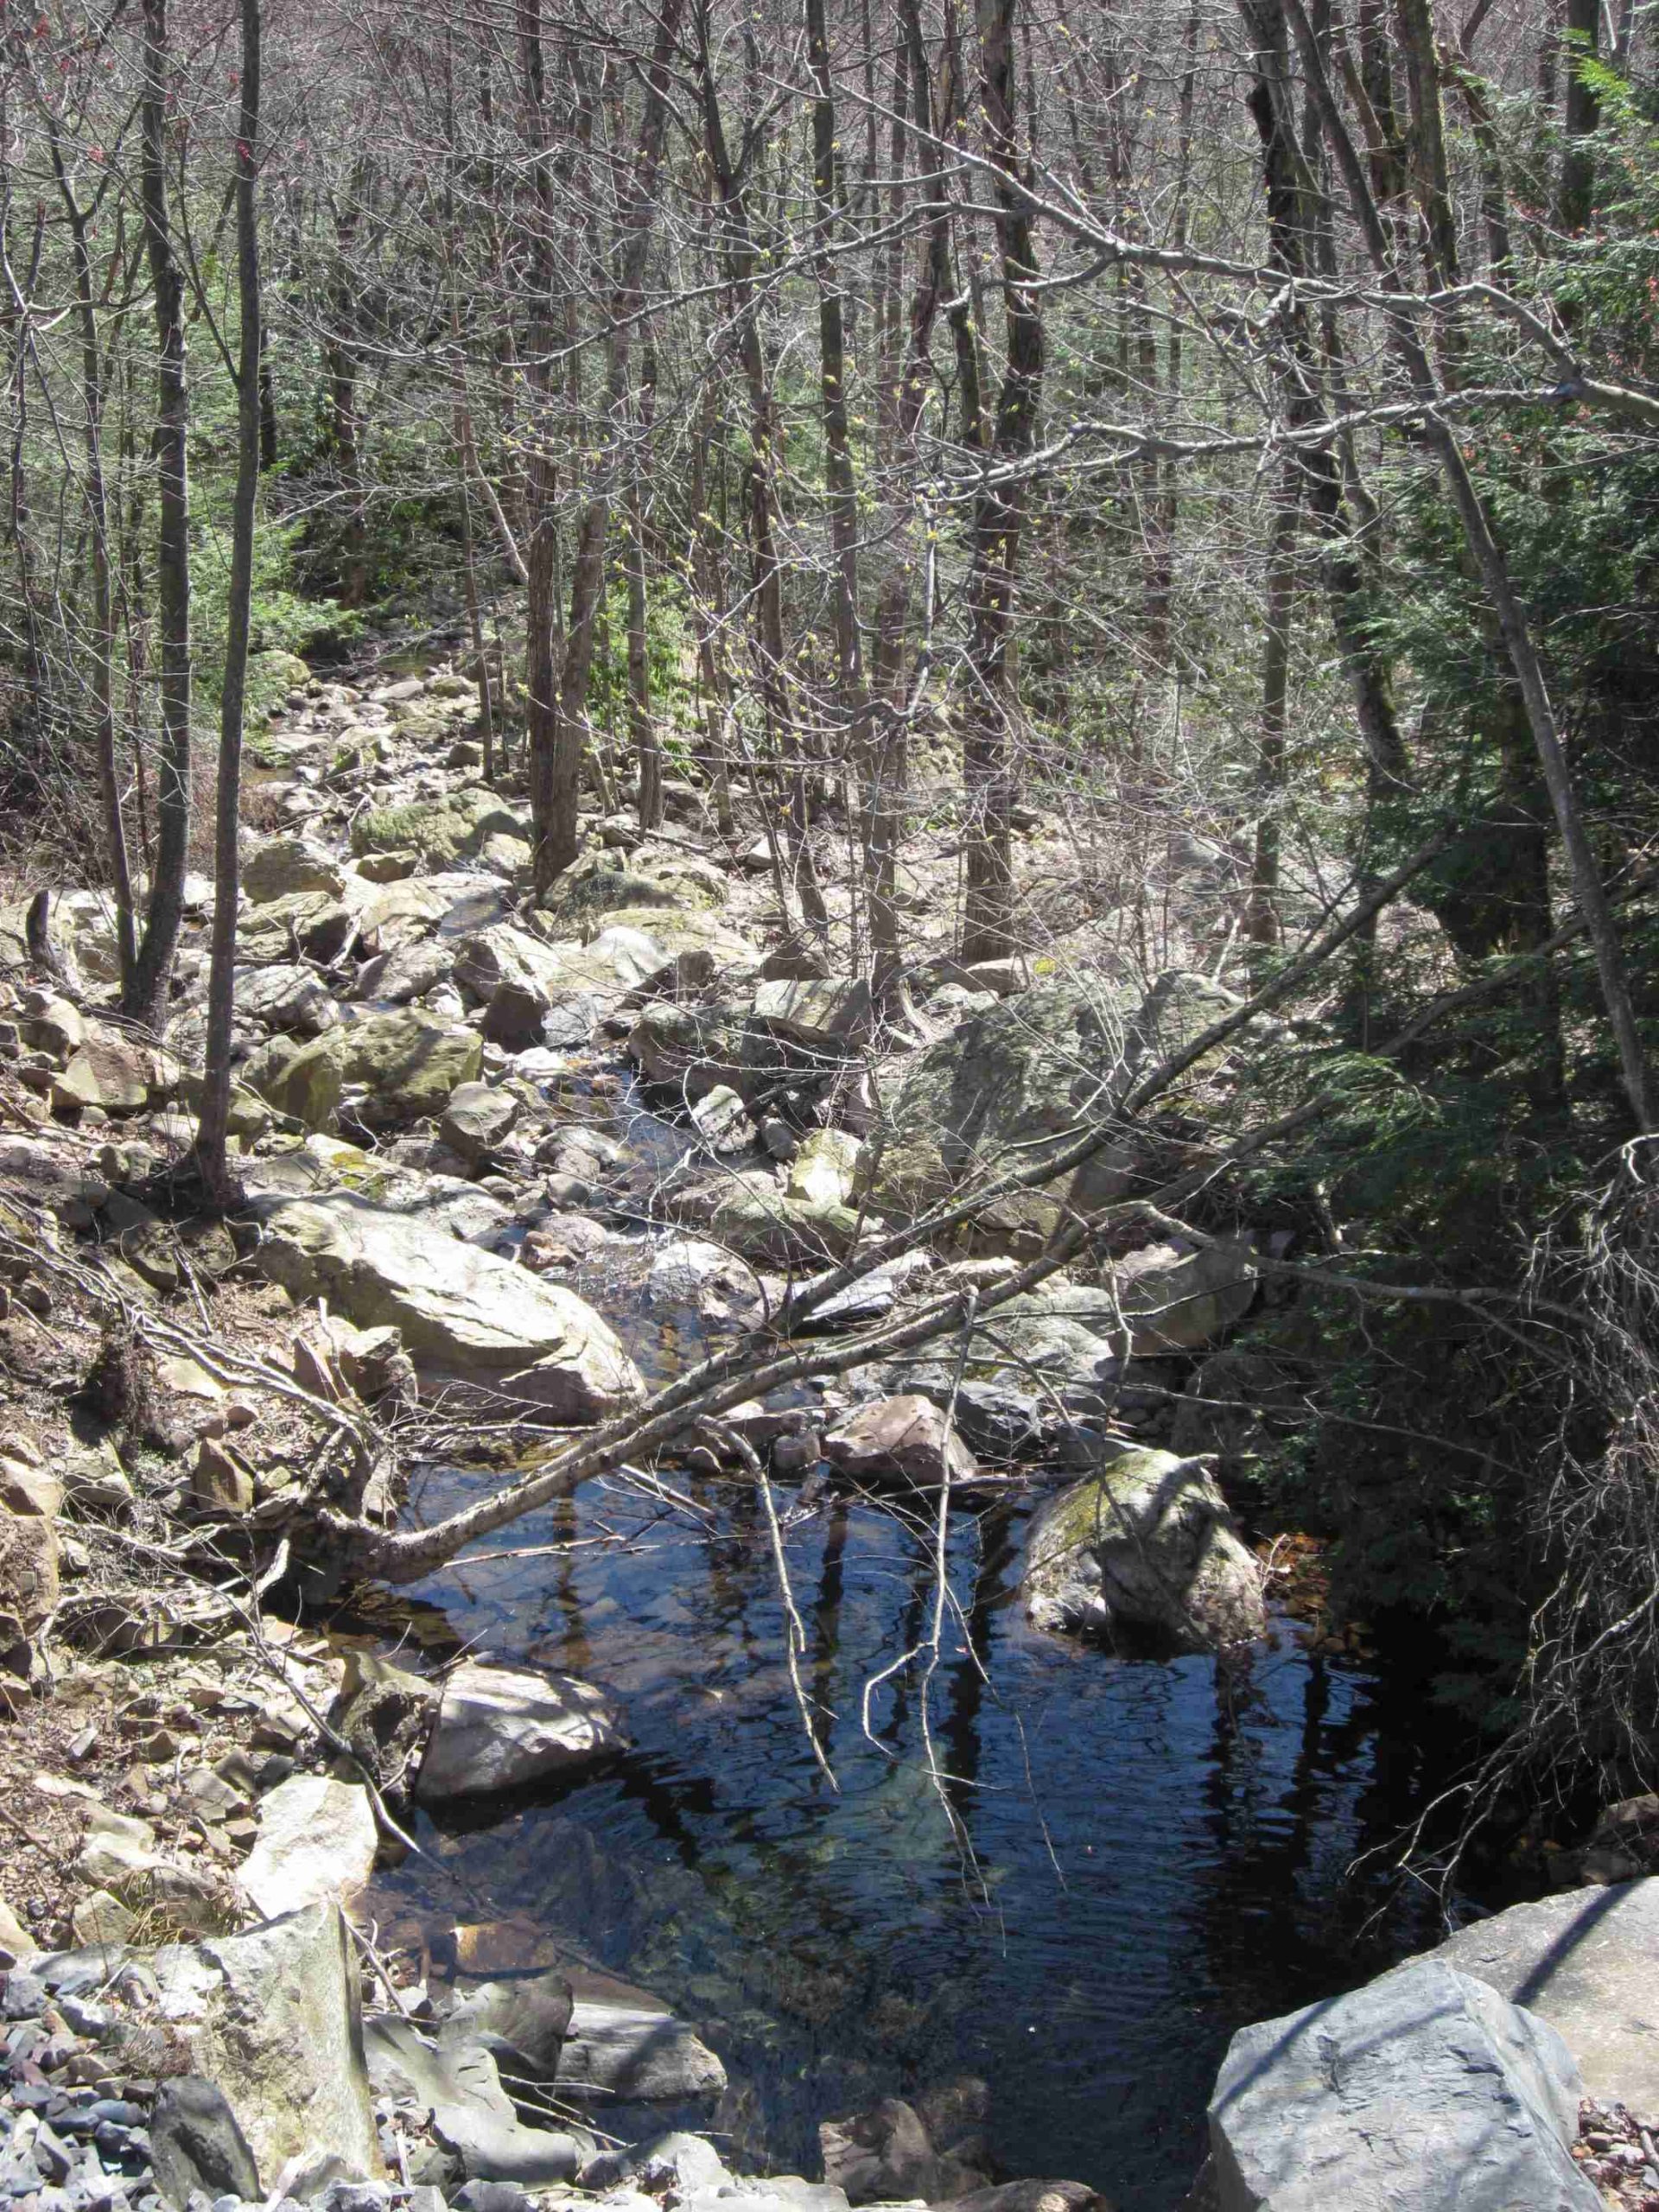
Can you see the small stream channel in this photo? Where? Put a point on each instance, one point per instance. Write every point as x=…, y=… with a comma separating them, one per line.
x=1123, y=1861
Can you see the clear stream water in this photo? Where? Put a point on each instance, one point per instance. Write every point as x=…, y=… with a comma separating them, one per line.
x=1116, y=1863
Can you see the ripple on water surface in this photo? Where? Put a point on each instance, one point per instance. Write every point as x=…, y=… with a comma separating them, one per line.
x=1119, y=1863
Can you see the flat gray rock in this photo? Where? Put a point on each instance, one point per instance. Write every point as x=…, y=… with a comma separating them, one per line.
x=1425, y=2091
x=1587, y=1961
x=464, y=1313
x=503, y=1728
x=471, y=2114
x=629, y=2047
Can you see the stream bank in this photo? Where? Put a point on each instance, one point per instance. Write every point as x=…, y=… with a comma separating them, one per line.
x=553, y=1156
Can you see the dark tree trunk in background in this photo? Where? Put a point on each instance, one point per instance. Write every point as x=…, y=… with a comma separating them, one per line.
x=1581, y=117
x=850, y=726
x=145, y=997
x=760, y=488
x=556, y=783
x=97, y=525
x=990, y=710
x=212, y=1155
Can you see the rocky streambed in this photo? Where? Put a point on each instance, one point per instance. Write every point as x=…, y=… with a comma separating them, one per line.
x=909, y=1778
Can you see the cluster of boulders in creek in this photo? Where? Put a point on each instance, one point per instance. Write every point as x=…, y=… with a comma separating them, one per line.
x=268, y=2054
x=430, y=1128
x=435, y=1078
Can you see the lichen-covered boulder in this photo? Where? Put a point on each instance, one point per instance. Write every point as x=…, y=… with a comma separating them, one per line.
x=410, y=1063
x=1024, y=1078
x=464, y=1313
x=301, y=1078
x=441, y=830
x=283, y=865
x=1146, y=1545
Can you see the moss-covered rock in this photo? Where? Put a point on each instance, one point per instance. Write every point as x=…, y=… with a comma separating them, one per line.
x=441, y=830
x=1023, y=1078
x=1146, y=1545
x=304, y=1079
x=409, y=1064
x=601, y=880
x=272, y=675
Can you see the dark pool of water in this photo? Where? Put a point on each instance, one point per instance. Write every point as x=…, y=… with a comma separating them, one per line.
x=1111, y=1865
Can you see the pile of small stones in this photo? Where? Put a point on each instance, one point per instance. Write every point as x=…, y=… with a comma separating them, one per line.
x=74, y=2135
x=1617, y=2152
x=76, y=2132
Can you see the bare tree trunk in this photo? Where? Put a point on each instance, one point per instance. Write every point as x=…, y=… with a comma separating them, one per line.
x=642, y=725
x=991, y=709
x=1581, y=117
x=1262, y=922
x=212, y=1155
x=852, y=707
x=16, y=316
x=98, y=518
x=145, y=999
x=345, y=371
x=555, y=780
x=761, y=488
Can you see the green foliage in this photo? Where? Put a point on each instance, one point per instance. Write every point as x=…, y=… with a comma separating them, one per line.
x=285, y=624
x=669, y=656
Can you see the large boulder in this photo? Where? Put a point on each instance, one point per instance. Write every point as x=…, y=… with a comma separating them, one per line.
x=111, y=1072
x=272, y=2017
x=51, y=1025
x=602, y=882
x=471, y=2115
x=1586, y=1962
x=692, y=1049
x=823, y=1169
x=286, y=997
x=410, y=1063
x=441, y=830
x=625, y=2043
x=802, y=1019
x=397, y=914
x=1180, y=1297
x=1146, y=1544
x=1023, y=1074
x=520, y=980
x=503, y=1728
x=477, y=1120
x=464, y=1313
x=282, y=865
x=414, y=969
x=316, y=1843
x=1173, y=1296
x=312, y=925
x=906, y=1440
x=301, y=1078
x=699, y=950
x=1424, y=2089
x=746, y=1210
x=1024, y=1077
